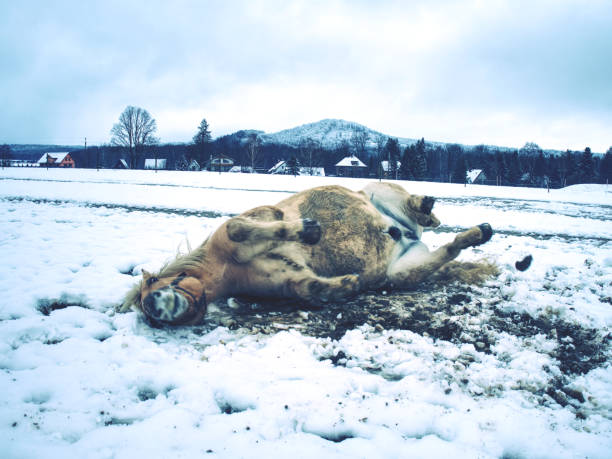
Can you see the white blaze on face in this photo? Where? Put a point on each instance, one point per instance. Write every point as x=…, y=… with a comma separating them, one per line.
x=169, y=305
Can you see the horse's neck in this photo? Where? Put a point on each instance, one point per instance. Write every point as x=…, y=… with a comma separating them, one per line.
x=212, y=275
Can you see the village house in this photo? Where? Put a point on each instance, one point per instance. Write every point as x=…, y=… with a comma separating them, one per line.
x=351, y=166
x=121, y=164
x=155, y=163
x=243, y=169
x=56, y=159
x=475, y=176
x=220, y=163
x=281, y=167
x=193, y=165
x=386, y=173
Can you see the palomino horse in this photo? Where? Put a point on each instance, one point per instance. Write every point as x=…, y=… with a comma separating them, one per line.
x=322, y=244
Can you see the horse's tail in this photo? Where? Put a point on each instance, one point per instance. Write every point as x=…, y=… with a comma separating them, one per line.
x=467, y=272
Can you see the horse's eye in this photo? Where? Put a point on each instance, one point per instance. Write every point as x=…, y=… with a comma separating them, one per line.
x=151, y=281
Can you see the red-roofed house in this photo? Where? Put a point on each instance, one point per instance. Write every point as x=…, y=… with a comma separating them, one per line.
x=56, y=159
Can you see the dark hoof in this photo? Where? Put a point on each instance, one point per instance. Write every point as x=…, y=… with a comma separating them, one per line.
x=486, y=231
x=395, y=233
x=427, y=204
x=311, y=231
x=524, y=264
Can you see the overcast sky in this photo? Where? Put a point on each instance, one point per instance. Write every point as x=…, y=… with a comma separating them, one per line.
x=494, y=72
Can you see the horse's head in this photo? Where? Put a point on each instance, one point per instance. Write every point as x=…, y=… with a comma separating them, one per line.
x=175, y=300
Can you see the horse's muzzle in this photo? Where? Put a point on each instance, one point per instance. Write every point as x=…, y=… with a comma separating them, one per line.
x=169, y=306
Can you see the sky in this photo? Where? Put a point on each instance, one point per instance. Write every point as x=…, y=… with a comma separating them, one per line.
x=495, y=72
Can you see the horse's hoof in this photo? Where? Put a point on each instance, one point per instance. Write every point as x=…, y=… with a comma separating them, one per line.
x=237, y=231
x=311, y=231
x=427, y=204
x=486, y=231
x=395, y=233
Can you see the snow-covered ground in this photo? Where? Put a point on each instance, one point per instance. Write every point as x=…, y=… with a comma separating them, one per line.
x=528, y=375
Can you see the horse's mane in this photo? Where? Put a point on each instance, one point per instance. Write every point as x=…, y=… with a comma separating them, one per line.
x=182, y=262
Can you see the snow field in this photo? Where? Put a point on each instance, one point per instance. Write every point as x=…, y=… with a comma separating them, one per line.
x=82, y=381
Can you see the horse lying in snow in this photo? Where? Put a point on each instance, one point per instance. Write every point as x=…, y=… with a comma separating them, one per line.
x=322, y=244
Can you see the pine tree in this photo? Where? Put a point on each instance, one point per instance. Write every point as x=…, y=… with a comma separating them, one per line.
x=436, y=159
x=553, y=170
x=567, y=169
x=501, y=169
x=514, y=168
x=203, y=134
x=460, y=170
x=407, y=161
x=605, y=170
x=391, y=154
x=539, y=169
x=293, y=166
x=454, y=152
x=419, y=166
x=587, y=167
x=201, y=141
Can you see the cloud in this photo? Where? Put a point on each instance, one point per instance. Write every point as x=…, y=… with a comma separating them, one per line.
x=501, y=71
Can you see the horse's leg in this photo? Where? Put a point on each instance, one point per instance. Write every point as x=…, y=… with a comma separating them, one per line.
x=252, y=237
x=392, y=200
x=317, y=290
x=418, y=263
x=248, y=231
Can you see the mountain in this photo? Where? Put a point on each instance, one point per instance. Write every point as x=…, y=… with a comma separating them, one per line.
x=330, y=133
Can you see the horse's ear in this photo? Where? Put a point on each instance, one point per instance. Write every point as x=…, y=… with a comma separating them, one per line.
x=145, y=274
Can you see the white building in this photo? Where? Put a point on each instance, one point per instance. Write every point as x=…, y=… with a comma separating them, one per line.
x=475, y=176
x=282, y=168
x=351, y=166
x=159, y=163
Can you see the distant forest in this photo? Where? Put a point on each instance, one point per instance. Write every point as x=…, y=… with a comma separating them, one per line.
x=528, y=166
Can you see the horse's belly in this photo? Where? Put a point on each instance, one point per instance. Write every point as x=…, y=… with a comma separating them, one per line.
x=355, y=255
x=354, y=237
x=354, y=240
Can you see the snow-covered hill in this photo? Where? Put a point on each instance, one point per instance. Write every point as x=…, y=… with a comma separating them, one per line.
x=330, y=133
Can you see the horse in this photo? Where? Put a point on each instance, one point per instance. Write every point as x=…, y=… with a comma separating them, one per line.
x=319, y=245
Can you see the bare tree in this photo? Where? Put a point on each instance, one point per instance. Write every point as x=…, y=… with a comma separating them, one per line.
x=253, y=143
x=135, y=129
x=308, y=150
x=359, y=140
x=380, y=155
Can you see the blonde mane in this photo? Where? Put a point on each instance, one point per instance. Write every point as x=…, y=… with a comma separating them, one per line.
x=182, y=262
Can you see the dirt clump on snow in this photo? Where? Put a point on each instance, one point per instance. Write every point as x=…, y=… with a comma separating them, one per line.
x=457, y=313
